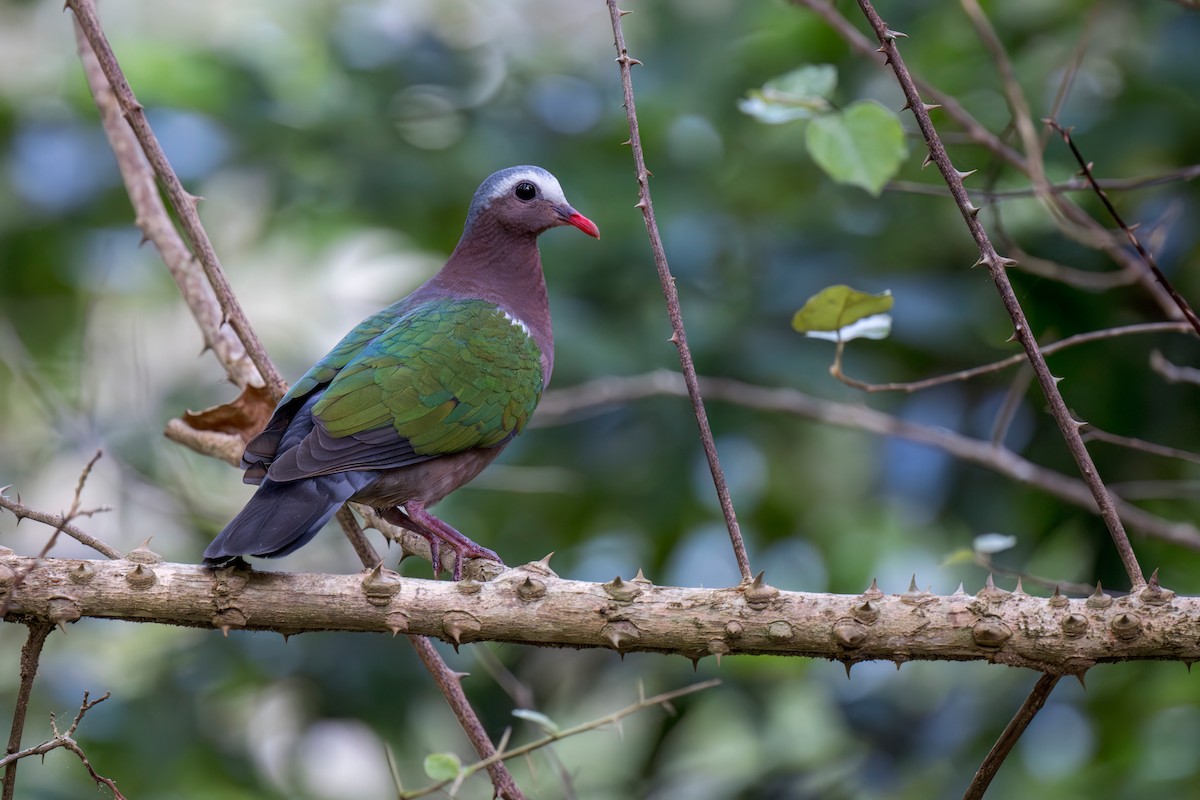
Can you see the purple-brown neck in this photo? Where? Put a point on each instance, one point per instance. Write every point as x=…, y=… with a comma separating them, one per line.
x=495, y=263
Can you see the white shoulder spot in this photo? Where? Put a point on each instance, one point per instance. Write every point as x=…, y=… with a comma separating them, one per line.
x=516, y=322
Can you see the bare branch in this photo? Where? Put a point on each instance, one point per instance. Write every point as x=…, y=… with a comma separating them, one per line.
x=1091, y=432
x=997, y=266
x=1073, y=185
x=1008, y=739
x=1173, y=373
x=674, y=312
x=450, y=683
x=1012, y=361
x=31, y=653
x=21, y=511
x=1085, y=167
x=61, y=524
x=67, y=741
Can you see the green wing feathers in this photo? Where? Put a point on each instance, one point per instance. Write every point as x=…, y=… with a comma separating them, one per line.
x=351, y=345
x=448, y=376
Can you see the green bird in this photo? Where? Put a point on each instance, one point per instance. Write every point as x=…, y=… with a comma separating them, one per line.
x=420, y=397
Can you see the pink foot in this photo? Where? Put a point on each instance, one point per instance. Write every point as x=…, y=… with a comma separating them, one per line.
x=416, y=519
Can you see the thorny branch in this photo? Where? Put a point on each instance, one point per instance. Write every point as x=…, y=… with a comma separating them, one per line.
x=1008, y=739
x=1093, y=234
x=530, y=605
x=997, y=267
x=151, y=216
x=674, y=312
x=65, y=740
x=182, y=201
x=31, y=653
x=1085, y=167
x=450, y=682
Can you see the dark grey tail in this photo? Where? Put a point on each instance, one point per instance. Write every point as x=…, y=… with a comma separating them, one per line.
x=281, y=517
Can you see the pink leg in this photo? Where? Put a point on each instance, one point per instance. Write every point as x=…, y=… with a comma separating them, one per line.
x=397, y=517
x=420, y=521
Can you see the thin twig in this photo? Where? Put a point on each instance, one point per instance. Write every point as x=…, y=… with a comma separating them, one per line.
x=450, y=682
x=1091, y=432
x=1072, y=70
x=1012, y=401
x=614, y=718
x=1183, y=174
x=1018, y=106
x=1085, y=167
x=1173, y=373
x=1087, y=280
x=358, y=540
x=61, y=524
x=564, y=403
x=997, y=266
x=1012, y=732
x=182, y=201
x=674, y=312
x=65, y=740
x=1004, y=363
x=31, y=652
x=22, y=511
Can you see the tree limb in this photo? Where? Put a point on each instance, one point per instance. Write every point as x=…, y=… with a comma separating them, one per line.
x=531, y=605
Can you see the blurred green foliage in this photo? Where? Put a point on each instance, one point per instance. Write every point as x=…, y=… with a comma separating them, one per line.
x=338, y=144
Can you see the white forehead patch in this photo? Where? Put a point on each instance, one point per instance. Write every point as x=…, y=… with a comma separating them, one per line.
x=547, y=185
x=502, y=183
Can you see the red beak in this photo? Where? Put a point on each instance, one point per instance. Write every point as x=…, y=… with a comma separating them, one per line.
x=583, y=223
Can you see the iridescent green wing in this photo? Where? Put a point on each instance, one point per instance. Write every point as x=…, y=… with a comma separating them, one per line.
x=351, y=345
x=447, y=376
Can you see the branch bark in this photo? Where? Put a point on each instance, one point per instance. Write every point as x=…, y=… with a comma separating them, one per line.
x=531, y=605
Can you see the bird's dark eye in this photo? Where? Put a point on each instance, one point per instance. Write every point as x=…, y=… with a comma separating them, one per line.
x=525, y=191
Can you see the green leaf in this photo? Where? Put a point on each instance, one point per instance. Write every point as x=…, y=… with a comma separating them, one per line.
x=963, y=555
x=862, y=146
x=537, y=718
x=800, y=94
x=442, y=766
x=842, y=313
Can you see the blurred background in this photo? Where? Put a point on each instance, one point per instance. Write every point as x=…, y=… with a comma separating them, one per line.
x=337, y=146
